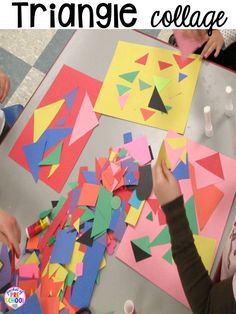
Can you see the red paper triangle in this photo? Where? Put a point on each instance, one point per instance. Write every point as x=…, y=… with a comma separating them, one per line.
x=181, y=61
x=213, y=164
x=154, y=204
x=146, y=113
x=164, y=65
x=161, y=216
x=142, y=60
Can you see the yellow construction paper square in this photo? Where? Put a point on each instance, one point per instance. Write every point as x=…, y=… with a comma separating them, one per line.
x=60, y=275
x=176, y=94
x=77, y=257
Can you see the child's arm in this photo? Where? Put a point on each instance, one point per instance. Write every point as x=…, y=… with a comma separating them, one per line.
x=203, y=296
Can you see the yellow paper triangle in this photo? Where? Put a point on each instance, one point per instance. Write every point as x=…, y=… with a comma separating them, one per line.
x=77, y=225
x=206, y=249
x=183, y=156
x=53, y=169
x=77, y=257
x=177, y=142
x=43, y=117
x=103, y=263
x=163, y=156
x=113, y=155
x=32, y=259
x=60, y=275
x=52, y=269
x=45, y=271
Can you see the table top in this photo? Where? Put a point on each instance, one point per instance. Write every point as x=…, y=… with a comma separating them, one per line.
x=91, y=51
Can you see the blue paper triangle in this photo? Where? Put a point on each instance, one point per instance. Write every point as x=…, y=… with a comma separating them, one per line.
x=181, y=171
x=182, y=76
x=34, y=155
x=70, y=98
x=54, y=136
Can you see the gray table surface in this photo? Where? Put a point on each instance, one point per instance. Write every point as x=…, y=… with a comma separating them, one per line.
x=90, y=52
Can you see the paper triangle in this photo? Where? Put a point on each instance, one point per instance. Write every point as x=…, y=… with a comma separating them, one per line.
x=163, y=156
x=182, y=62
x=150, y=216
x=182, y=76
x=130, y=76
x=206, y=249
x=122, y=89
x=213, y=164
x=55, y=136
x=168, y=256
x=191, y=215
x=43, y=116
x=70, y=98
x=164, y=65
x=161, y=82
x=161, y=217
x=153, y=203
x=53, y=158
x=85, y=121
x=52, y=170
x=139, y=254
x=143, y=243
x=183, y=156
x=156, y=102
x=181, y=171
x=34, y=154
x=122, y=100
x=142, y=60
x=143, y=85
x=162, y=238
x=146, y=113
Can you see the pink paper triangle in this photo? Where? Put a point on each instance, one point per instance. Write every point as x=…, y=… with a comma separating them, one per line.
x=86, y=120
x=122, y=100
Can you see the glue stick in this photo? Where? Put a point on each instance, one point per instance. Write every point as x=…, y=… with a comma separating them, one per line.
x=129, y=307
x=37, y=227
x=229, y=107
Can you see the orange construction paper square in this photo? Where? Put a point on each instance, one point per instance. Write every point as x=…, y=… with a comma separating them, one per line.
x=89, y=194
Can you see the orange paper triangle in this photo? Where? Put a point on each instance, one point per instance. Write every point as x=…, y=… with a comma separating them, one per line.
x=146, y=113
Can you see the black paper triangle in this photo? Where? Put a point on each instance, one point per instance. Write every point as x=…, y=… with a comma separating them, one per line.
x=54, y=203
x=86, y=238
x=156, y=102
x=139, y=254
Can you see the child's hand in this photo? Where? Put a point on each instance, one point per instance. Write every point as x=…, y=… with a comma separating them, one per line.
x=10, y=233
x=214, y=43
x=200, y=35
x=165, y=186
x=4, y=86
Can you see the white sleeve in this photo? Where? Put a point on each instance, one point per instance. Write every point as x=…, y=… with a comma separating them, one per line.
x=229, y=36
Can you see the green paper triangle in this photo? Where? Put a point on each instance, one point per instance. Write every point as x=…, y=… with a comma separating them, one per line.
x=122, y=89
x=69, y=279
x=149, y=216
x=56, y=209
x=53, y=158
x=191, y=215
x=130, y=76
x=168, y=256
x=45, y=213
x=162, y=238
x=143, y=85
x=161, y=82
x=87, y=215
x=143, y=243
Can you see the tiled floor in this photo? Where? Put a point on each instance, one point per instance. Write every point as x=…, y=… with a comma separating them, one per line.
x=27, y=55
